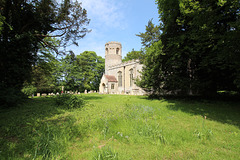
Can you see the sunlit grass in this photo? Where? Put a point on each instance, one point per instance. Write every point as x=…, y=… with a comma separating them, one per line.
x=121, y=127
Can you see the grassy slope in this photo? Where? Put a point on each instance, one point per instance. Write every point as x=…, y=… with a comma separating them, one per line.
x=125, y=127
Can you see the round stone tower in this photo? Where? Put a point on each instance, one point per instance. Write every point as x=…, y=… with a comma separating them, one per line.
x=113, y=54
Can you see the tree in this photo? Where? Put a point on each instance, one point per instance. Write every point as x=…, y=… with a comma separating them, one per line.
x=134, y=55
x=25, y=27
x=151, y=35
x=82, y=72
x=92, y=69
x=29, y=90
x=199, y=42
x=152, y=77
x=212, y=51
x=44, y=75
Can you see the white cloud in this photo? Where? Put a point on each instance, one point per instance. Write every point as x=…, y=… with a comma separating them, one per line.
x=105, y=13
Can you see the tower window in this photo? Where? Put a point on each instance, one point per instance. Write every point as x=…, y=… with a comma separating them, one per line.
x=117, y=51
x=119, y=79
x=131, y=77
x=106, y=50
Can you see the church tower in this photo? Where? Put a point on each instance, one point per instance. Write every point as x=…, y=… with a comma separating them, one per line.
x=113, y=55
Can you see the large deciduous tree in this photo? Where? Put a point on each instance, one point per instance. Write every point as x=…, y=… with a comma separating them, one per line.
x=81, y=72
x=200, y=42
x=24, y=26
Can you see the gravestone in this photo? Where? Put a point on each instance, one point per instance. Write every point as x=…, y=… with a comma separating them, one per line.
x=44, y=94
x=38, y=94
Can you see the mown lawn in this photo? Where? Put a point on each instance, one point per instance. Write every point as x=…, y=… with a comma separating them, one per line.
x=121, y=127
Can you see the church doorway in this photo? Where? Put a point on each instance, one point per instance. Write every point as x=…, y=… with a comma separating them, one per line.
x=104, y=88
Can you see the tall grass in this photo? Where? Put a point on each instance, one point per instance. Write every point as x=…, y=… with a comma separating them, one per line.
x=121, y=127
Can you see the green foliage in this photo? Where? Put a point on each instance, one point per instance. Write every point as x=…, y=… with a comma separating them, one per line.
x=121, y=127
x=152, y=78
x=151, y=35
x=24, y=28
x=134, y=55
x=1, y=22
x=29, y=90
x=69, y=101
x=76, y=102
x=199, y=42
x=48, y=147
x=45, y=75
x=81, y=72
x=11, y=97
x=105, y=154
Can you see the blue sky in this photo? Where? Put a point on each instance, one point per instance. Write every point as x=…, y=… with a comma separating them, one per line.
x=116, y=20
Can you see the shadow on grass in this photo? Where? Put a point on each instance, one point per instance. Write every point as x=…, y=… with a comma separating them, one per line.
x=35, y=130
x=221, y=110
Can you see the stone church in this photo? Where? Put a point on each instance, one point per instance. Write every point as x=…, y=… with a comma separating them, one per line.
x=119, y=78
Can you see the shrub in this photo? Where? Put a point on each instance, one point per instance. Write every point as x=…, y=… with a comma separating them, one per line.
x=69, y=101
x=75, y=102
x=29, y=90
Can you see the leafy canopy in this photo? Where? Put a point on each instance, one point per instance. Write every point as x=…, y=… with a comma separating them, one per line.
x=25, y=26
x=199, y=40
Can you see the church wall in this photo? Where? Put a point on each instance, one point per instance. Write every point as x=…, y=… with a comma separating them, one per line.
x=127, y=78
x=103, y=85
x=113, y=59
x=114, y=72
x=125, y=69
x=114, y=89
x=134, y=88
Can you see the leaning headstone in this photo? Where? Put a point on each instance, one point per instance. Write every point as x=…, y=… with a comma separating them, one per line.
x=38, y=94
x=85, y=92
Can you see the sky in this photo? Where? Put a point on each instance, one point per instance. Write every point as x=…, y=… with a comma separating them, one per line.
x=116, y=20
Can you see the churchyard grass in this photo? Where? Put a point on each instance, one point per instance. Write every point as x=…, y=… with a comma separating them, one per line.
x=121, y=127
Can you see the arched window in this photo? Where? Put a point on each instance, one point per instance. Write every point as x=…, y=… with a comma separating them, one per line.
x=131, y=77
x=106, y=50
x=117, y=51
x=119, y=79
